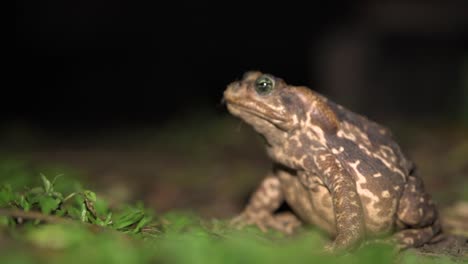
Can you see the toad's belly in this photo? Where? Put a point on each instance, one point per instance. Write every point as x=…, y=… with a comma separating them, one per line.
x=314, y=206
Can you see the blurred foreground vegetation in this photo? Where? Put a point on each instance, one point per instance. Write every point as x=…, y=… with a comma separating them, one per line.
x=59, y=221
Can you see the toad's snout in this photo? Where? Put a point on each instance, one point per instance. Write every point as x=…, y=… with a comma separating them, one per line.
x=233, y=92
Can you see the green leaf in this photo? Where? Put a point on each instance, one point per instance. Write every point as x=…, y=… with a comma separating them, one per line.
x=128, y=218
x=48, y=204
x=79, y=200
x=24, y=203
x=6, y=195
x=90, y=195
x=71, y=195
x=143, y=222
x=84, y=213
x=58, y=195
x=96, y=221
x=55, y=179
x=46, y=183
x=108, y=220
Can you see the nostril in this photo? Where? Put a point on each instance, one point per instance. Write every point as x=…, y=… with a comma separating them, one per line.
x=236, y=86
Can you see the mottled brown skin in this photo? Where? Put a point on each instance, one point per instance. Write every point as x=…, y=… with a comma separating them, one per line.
x=336, y=169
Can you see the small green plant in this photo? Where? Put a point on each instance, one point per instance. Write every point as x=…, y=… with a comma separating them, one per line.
x=45, y=204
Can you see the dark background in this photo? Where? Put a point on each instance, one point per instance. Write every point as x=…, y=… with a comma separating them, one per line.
x=100, y=63
x=127, y=94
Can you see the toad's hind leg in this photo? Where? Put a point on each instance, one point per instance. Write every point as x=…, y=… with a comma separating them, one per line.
x=259, y=211
x=417, y=216
x=416, y=237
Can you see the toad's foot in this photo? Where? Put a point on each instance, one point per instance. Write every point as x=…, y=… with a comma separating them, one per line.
x=285, y=222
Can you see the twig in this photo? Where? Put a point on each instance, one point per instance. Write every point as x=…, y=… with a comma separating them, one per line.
x=33, y=215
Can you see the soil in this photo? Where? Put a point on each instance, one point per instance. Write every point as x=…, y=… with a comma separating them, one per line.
x=452, y=246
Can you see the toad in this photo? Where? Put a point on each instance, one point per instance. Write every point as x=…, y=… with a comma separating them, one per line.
x=335, y=169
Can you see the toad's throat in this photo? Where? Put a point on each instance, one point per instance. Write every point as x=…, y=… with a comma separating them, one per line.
x=259, y=110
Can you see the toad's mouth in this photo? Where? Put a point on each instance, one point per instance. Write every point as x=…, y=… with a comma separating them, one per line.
x=259, y=110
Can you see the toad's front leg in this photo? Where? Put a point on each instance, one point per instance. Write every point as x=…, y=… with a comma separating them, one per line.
x=349, y=219
x=259, y=211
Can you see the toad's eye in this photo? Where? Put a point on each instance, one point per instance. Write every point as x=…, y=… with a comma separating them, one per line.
x=264, y=85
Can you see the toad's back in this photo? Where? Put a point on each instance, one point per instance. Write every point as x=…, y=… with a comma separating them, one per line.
x=374, y=160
